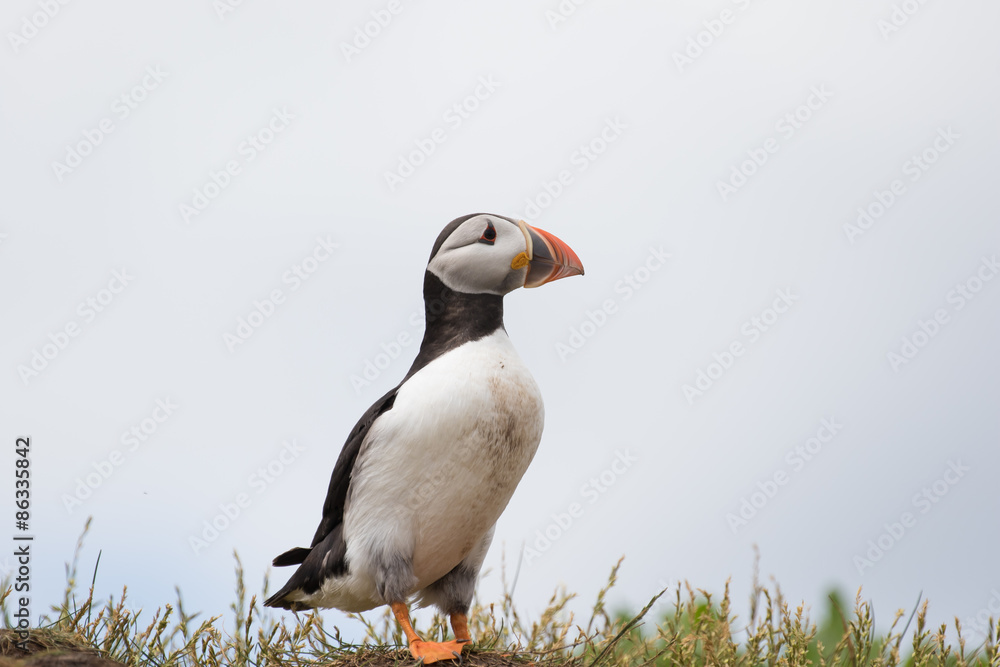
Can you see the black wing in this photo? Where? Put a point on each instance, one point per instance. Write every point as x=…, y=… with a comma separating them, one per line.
x=315, y=565
x=340, y=480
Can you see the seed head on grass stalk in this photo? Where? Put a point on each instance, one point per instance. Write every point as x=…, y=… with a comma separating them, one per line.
x=697, y=631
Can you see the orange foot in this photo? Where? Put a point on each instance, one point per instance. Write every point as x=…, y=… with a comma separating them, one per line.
x=435, y=651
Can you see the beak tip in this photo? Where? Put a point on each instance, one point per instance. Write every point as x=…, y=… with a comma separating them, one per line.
x=552, y=258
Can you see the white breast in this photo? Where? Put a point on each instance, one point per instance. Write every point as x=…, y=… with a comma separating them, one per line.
x=439, y=468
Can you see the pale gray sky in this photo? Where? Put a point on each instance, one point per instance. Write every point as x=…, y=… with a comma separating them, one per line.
x=749, y=358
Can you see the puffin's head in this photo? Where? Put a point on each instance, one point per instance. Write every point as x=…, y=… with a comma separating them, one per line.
x=484, y=253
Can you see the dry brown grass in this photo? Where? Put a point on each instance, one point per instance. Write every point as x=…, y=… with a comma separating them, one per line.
x=696, y=630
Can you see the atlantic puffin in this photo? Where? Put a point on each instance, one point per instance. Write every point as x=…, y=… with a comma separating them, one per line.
x=430, y=466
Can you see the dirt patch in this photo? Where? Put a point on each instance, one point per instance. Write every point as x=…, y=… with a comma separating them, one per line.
x=45, y=648
x=385, y=657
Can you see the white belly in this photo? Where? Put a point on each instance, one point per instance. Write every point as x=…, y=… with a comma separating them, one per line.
x=440, y=466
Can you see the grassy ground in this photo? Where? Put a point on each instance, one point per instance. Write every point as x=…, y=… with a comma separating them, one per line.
x=695, y=629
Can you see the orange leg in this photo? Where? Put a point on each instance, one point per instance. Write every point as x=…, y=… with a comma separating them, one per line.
x=460, y=625
x=430, y=651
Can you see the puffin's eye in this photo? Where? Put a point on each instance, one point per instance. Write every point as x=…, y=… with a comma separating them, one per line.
x=489, y=235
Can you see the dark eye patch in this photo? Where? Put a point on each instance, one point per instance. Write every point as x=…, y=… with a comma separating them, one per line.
x=489, y=234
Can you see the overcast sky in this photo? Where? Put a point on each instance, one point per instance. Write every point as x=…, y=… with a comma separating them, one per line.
x=215, y=221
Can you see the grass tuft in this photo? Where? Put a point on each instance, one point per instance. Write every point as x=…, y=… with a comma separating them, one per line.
x=695, y=630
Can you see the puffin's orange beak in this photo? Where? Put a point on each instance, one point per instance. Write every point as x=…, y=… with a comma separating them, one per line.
x=549, y=258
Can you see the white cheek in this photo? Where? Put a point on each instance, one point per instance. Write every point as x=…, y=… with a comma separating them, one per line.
x=480, y=268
